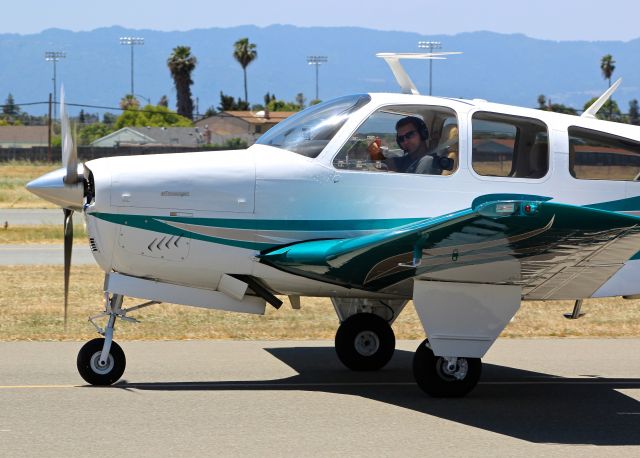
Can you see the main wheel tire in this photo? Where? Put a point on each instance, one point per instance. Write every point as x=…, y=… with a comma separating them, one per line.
x=88, y=363
x=365, y=342
x=437, y=380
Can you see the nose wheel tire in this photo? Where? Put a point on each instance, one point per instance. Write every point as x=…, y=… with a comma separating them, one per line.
x=89, y=363
x=441, y=378
x=365, y=342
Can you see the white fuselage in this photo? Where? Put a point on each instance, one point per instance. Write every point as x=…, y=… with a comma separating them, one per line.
x=240, y=202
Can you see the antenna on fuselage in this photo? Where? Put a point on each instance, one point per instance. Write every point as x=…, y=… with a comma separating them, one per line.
x=595, y=106
x=405, y=82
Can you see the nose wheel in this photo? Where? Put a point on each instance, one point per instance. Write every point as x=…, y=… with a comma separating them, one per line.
x=96, y=371
x=445, y=377
x=365, y=342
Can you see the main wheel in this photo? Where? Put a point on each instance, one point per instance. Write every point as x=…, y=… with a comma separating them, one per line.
x=437, y=379
x=365, y=342
x=89, y=363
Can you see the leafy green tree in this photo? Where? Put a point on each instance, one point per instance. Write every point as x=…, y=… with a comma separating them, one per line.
x=634, y=112
x=109, y=118
x=210, y=111
x=228, y=103
x=164, y=102
x=560, y=108
x=542, y=102
x=235, y=143
x=151, y=116
x=245, y=53
x=268, y=98
x=281, y=105
x=181, y=64
x=94, y=131
x=10, y=108
x=129, y=102
x=315, y=102
x=610, y=107
x=300, y=100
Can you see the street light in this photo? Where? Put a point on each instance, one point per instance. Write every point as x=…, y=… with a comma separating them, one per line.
x=317, y=61
x=430, y=45
x=131, y=41
x=54, y=56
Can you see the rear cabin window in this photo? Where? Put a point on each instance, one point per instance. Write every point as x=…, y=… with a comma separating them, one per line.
x=595, y=155
x=509, y=146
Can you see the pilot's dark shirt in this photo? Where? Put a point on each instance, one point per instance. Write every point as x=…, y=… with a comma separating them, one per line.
x=405, y=164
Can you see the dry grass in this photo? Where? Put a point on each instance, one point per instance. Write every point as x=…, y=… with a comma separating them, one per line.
x=14, y=175
x=31, y=309
x=41, y=234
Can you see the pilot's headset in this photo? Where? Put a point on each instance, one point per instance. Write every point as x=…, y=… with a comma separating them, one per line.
x=418, y=123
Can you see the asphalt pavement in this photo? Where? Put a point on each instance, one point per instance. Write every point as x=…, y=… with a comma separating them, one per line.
x=30, y=217
x=543, y=397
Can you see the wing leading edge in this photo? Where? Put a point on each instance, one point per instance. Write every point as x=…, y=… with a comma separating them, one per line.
x=558, y=250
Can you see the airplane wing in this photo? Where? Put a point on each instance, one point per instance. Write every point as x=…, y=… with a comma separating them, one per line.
x=552, y=250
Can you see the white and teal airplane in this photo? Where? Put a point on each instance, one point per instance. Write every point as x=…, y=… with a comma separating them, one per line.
x=527, y=205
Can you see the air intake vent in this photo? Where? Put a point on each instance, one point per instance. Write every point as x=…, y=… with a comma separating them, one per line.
x=93, y=245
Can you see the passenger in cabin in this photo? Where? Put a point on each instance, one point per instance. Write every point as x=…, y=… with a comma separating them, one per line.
x=411, y=135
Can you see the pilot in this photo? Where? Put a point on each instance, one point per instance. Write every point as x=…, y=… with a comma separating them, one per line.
x=411, y=136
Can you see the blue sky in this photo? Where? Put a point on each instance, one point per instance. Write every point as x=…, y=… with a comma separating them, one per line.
x=590, y=20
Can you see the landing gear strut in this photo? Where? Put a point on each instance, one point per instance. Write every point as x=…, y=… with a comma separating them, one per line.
x=444, y=377
x=365, y=342
x=101, y=361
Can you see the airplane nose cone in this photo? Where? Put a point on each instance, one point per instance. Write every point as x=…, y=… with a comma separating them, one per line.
x=51, y=187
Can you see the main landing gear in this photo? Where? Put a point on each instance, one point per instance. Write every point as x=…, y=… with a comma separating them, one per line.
x=101, y=361
x=365, y=342
x=444, y=377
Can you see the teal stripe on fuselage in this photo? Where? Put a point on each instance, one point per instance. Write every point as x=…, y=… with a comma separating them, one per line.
x=155, y=224
x=621, y=205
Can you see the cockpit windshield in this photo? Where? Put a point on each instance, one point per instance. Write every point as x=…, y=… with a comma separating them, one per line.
x=309, y=131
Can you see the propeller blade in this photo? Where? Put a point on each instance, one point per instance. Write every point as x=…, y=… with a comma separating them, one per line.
x=69, y=151
x=68, y=245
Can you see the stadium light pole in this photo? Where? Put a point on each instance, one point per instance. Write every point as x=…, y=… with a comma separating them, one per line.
x=431, y=46
x=54, y=56
x=132, y=42
x=317, y=61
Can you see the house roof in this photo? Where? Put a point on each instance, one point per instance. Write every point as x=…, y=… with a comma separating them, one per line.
x=176, y=136
x=253, y=117
x=24, y=134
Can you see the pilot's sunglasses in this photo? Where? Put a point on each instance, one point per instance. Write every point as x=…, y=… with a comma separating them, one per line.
x=406, y=136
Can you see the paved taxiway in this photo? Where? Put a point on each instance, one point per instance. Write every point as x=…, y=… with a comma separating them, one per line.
x=537, y=397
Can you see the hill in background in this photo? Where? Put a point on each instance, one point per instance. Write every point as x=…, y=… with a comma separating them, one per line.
x=511, y=69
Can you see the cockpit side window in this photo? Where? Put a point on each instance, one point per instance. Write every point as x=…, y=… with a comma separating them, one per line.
x=309, y=131
x=403, y=139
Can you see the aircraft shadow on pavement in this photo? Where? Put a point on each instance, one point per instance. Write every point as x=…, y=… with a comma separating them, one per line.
x=517, y=403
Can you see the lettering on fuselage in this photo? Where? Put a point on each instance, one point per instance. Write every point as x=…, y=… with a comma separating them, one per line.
x=175, y=194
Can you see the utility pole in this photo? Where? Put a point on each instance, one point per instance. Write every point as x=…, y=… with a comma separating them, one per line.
x=431, y=46
x=132, y=41
x=49, y=132
x=54, y=56
x=317, y=61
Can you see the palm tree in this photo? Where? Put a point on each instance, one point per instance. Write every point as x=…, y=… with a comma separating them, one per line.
x=244, y=53
x=181, y=63
x=607, y=65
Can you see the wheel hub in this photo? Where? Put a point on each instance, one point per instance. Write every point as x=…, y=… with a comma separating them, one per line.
x=447, y=370
x=96, y=367
x=367, y=343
